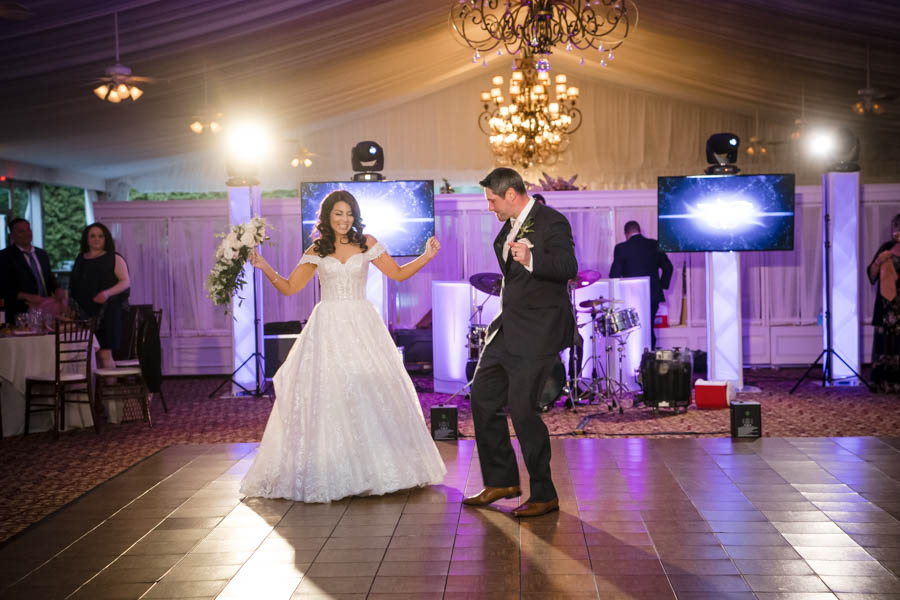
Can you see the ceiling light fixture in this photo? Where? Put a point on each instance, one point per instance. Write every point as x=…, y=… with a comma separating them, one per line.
x=206, y=120
x=756, y=147
x=530, y=129
x=534, y=27
x=118, y=83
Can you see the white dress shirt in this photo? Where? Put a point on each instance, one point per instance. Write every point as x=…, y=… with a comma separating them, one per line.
x=514, y=229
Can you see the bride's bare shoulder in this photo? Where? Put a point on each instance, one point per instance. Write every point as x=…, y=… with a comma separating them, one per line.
x=370, y=240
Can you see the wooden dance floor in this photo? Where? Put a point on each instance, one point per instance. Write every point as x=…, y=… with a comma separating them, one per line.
x=798, y=518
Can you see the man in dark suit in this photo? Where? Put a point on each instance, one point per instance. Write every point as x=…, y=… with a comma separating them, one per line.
x=638, y=256
x=25, y=275
x=537, y=259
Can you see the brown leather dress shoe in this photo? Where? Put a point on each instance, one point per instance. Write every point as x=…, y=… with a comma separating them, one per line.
x=492, y=494
x=536, y=509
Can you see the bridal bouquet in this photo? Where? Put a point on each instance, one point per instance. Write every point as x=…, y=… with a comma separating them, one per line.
x=227, y=275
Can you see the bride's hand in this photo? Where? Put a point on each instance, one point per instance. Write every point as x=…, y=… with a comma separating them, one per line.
x=256, y=260
x=431, y=247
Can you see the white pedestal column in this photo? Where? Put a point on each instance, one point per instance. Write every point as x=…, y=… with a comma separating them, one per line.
x=725, y=357
x=450, y=305
x=841, y=193
x=244, y=203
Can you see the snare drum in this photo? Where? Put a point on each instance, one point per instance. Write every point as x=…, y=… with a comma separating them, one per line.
x=475, y=340
x=619, y=321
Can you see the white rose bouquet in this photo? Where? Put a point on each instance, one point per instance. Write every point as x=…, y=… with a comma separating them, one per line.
x=227, y=275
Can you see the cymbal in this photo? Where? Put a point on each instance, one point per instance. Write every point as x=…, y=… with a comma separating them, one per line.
x=489, y=283
x=593, y=303
x=597, y=302
x=584, y=278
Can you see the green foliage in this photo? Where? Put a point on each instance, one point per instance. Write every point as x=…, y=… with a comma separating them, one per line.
x=63, y=222
x=166, y=196
x=20, y=201
x=281, y=194
x=134, y=194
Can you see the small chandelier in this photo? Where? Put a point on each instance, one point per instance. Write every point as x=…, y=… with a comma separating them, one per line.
x=536, y=26
x=530, y=129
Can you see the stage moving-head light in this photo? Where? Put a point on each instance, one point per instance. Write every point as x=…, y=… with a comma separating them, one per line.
x=844, y=151
x=722, y=153
x=367, y=159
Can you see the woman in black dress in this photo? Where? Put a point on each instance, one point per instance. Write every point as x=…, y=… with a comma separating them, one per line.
x=98, y=287
x=883, y=271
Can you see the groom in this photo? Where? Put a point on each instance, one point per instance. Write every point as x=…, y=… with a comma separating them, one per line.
x=537, y=258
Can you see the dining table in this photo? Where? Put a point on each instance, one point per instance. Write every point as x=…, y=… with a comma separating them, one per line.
x=25, y=354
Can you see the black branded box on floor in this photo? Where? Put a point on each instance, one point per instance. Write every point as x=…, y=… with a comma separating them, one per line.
x=746, y=419
x=444, y=423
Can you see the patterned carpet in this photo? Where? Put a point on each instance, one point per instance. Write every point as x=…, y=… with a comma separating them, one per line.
x=39, y=476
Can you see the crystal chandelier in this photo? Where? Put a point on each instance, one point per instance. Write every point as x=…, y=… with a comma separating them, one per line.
x=530, y=129
x=536, y=26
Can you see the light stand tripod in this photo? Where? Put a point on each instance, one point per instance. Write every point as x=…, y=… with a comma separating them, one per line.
x=260, y=386
x=598, y=373
x=614, y=389
x=828, y=353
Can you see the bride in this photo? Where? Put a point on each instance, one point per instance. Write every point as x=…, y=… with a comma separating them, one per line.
x=346, y=419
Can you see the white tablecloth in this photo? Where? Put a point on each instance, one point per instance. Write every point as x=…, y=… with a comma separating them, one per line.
x=20, y=357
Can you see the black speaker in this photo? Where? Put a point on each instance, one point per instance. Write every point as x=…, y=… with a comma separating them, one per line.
x=666, y=378
x=444, y=423
x=278, y=339
x=416, y=344
x=746, y=419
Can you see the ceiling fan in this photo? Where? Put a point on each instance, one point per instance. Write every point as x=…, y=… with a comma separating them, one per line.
x=757, y=147
x=871, y=100
x=210, y=120
x=118, y=83
x=301, y=156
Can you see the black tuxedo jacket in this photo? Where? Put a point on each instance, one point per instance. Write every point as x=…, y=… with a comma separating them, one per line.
x=535, y=314
x=16, y=276
x=639, y=256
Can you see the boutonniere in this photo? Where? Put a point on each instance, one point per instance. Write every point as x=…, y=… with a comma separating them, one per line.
x=526, y=228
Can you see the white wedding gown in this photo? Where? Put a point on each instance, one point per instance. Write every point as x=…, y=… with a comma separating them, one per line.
x=346, y=419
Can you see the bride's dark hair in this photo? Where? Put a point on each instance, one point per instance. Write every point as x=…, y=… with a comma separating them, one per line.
x=326, y=241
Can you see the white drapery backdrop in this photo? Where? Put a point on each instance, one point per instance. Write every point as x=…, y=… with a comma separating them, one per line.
x=169, y=248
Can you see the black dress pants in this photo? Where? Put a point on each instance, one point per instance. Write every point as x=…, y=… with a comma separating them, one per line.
x=654, y=306
x=505, y=380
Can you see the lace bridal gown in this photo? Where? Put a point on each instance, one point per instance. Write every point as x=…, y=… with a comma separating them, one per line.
x=346, y=419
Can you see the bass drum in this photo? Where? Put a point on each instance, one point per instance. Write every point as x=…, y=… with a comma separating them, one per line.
x=553, y=387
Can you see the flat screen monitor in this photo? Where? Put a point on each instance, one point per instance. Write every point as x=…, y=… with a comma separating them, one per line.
x=725, y=213
x=400, y=214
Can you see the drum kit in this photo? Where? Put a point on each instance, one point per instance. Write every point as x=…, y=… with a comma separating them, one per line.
x=607, y=321
x=614, y=325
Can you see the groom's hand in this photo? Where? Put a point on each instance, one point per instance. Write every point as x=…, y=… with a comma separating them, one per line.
x=521, y=253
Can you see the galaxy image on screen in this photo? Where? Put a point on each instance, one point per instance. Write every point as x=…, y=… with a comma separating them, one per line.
x=400, y=214
x=726, y=213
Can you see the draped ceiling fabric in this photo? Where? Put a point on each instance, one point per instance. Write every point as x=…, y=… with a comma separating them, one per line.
x=331, y=73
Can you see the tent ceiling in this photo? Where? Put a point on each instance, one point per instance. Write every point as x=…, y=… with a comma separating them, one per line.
x=306, y=64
